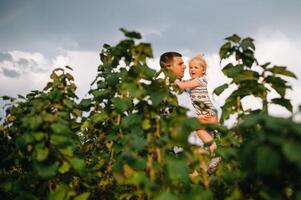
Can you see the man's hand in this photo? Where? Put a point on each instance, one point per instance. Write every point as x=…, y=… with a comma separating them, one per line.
x=208, y=119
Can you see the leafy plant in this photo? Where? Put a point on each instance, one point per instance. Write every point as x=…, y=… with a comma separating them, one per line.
x=118, y=143
x=40, y=143
x=251, y=78
x=258, y=152
x=129, y=134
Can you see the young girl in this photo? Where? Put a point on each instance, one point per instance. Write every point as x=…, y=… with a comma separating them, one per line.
x=197, y=88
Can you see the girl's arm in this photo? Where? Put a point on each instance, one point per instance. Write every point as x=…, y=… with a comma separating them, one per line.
x=187, y=84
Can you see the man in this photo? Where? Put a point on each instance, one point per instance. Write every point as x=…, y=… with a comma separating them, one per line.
x=173, y=62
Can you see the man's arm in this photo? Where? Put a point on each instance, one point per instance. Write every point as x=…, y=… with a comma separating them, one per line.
x=187, y=84
x=208, y=119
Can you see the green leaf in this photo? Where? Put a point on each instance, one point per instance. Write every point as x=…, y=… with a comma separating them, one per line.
x=132, y=88
x=283, y=102
x=85, y=104
x=68, y=103
x=177, y=171
x=166, y=196
x=60, y=128
x=264, y=154
x=246, y=75
x=224, y=50
x=21, y=195
x=65, y=167
x=145, y=49
x=99, y=117
x=242, y=92
x=139, y=178
x=25, y=139
x=69, y=68
x=137, y=142
x=292, y=151
x=69, y=76
x=192, y=123
x=157, y=97
x=6, y=98
x=248, y=58
x=247, y=43
x=98, y=94
x=38, y=136
x=234, y=38
x=50, y=117
x=278, y=84
x=113, y=79
x=56, y=95
x=53, y=76
x=225, y=114
x=146, y=124
x=121, y=104
x=42, y=154
x=147, y=72
x=227, y=153
x=232, y=71
x=67, y=151
x=46, y=171
x=132, y=119
x=33, y=122
x=20, y=96
x=282, y=71
x=6, y=186
x=264, y=66
x=60, y=193
x=78, y=164
x=59, y=140
x=131, y=34
x=83, y=196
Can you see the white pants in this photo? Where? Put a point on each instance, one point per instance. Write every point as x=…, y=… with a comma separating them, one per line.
x=193, y=139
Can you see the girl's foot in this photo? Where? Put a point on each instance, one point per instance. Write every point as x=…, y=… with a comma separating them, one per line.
x=213, y=165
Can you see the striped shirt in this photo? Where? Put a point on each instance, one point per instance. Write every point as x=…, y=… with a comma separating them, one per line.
x=200, y=98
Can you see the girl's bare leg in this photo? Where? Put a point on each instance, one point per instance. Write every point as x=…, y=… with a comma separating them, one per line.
x=206, y=137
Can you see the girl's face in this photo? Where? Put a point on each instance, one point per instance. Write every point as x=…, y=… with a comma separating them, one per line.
x=196, y=69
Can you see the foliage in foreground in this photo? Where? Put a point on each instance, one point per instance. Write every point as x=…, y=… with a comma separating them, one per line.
x=118, y=143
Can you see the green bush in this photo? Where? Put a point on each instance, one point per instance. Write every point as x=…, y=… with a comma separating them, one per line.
x=117, y=144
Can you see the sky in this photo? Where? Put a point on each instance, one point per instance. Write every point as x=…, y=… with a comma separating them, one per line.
x=37, y=36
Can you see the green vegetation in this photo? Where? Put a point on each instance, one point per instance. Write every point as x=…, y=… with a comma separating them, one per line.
x=117, y=144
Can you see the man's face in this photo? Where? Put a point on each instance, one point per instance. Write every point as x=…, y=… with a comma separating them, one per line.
x=178, y=67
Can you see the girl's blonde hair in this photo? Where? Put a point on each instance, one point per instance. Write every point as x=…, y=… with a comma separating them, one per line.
x=199, y=58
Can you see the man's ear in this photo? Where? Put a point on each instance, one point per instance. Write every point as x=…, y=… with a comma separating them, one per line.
x=163, y=64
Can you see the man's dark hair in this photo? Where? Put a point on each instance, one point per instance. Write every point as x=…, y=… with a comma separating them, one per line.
x=167, y=57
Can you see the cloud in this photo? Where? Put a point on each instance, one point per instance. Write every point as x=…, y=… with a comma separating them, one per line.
x=281, y=49
x=84, y=64
x=193, y=24
x=29, y=71
x=5, y=56
x=16, y=63
x=10, y=72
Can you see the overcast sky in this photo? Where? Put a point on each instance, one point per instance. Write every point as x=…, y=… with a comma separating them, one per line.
x=36, y=36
